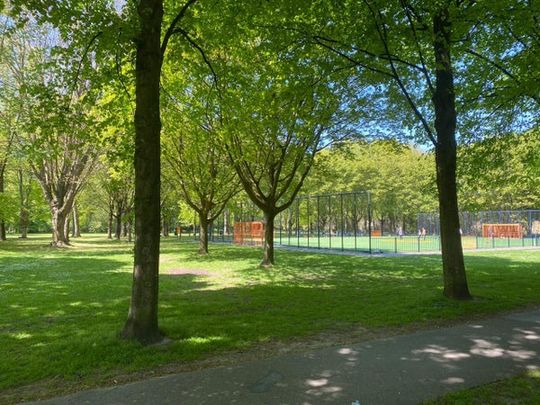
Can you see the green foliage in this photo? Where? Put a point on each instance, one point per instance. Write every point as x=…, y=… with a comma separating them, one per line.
x=196, y=163
x=400, y=178
x=501, y=172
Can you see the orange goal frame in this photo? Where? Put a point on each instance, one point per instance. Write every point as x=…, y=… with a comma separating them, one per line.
x=249, y=233
x=502, y=231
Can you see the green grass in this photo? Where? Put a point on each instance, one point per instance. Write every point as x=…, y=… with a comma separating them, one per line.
x=524, y=389
x=392, y=244
x=61, y=309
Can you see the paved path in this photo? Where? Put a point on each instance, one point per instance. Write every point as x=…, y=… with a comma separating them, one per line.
x=399, y=370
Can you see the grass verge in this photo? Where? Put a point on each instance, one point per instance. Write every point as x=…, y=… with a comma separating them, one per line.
x=523, y=389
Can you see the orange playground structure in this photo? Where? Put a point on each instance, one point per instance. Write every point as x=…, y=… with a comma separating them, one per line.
x=502, y=231
x=249, y=233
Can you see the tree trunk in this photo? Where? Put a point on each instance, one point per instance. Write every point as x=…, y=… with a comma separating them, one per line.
x=76, y=233
x=2, y=222
x=67, y=224
x=129, y=235
x=142, y=321
x=59, y=228
x=110, y=224
x=455, y=279
x=24, y=219
x=124, y=229
x=24, y=215
x=118, y=228
x=203, y=233
x=165, y=227
x=268, y=252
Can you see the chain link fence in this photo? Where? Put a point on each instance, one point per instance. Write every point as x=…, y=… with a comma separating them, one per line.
x=345, y=222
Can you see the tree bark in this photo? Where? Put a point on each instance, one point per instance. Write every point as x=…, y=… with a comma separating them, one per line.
x=2, y=221
x=129, y=235
x=67, y=224
x=268, y=251
x=76, y=233
x=24, y=215
x=455, y=279
x=142, y=321
x=110, y=224
x=165, y=227
x=58, y=228
x=203, y=233
x=118, y=227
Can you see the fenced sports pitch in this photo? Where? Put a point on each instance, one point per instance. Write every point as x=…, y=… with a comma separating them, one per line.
x=349, y=222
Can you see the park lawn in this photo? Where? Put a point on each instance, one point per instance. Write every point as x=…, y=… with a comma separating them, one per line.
x=61, y=309
x=523, y=389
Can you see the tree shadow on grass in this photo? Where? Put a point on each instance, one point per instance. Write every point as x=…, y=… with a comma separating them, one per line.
x=62, y=317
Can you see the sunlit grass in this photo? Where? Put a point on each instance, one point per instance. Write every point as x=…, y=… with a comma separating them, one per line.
x=61, y=309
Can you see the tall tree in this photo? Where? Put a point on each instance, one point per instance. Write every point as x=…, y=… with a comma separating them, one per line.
x=272, y=140
x=142, y=322
x=197, y=162
x=411, y=61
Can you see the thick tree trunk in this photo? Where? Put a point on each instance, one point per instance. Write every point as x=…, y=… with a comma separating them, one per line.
x=268, y=247
x=142, y=322
x=455, y=279
x=203, y=233
x=59, y=228
x=76, y=232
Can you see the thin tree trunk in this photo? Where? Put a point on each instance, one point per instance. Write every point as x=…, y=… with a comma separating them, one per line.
x=268, y=252
x=110, y=223
x=124, y=229
x=455, y=279
x=203, y=233
x=2, y=221
x=118, y=229
x=129, y=235
x=67, y=224
x=142, y=321
x=24, y=215
x=76, y=233
x=165, y=227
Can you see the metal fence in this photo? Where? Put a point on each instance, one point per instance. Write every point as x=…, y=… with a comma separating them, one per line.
x=344, y=222
x=472, y=223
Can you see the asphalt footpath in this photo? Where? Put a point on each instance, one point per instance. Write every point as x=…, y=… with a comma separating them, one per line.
x=404, y=369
